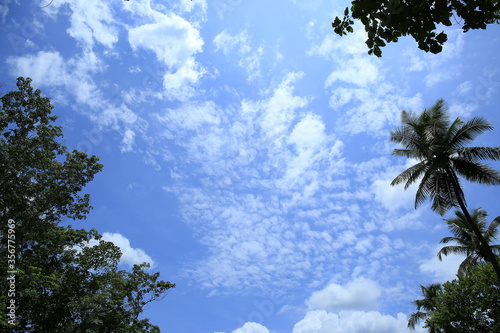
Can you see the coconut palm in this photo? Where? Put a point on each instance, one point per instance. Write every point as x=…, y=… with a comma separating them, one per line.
x=466, y=241
x=438, y=146
x=425, y=306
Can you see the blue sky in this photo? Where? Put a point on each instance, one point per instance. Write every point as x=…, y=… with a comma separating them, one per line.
x=246, y=154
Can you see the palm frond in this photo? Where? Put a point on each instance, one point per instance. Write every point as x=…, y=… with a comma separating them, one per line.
x=464, y=233
x=479, y=153
x=458, y=226
x=408, y=153
x=425, y=188
x=455, y=249
x=408, y=137
x=437, y=112
x=476, y=172
x=469, y=131
x=492, y=231
x=469, y=261
x=443, y=193
x=457, y=194
x=453, y=130
x=410, y=175
x=429, y=293
x=408, y=117
x=441, y=203
x=415, y=318
x=495, y=249
x=467, y=240
x=446, y=240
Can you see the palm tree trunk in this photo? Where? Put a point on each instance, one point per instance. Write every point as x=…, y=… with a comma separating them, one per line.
x=484, y=247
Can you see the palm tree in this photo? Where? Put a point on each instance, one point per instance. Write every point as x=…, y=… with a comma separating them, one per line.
x=428, y=304
x=438, y=145
x=466, y=240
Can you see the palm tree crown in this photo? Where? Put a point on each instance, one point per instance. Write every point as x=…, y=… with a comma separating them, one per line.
x=425, y=306
x=438, y=145
x=467, y=242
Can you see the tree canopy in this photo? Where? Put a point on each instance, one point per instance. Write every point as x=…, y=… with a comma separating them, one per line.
x=65, y=279
x=386, y=21
x=468, y=304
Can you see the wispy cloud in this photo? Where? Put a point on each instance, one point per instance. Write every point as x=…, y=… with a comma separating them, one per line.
x=277, y=194
x=358, y=86
x=240, y=44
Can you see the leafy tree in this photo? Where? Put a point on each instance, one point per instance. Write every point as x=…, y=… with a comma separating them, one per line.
x=466, y=240
x=439, y=146
x=469, y=304
x=62, y=283
x=425, y=307
x=386, y=21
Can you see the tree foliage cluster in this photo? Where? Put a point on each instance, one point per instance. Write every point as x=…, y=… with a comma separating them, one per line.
x=439, y=146
x=62, y=283
x=386, y=21
x=467, y=304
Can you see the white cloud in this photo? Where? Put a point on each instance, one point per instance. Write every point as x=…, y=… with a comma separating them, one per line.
x=48, y=67
x=308, y=134
x=463, y=110
x=372, y=109
x=251, y=327
x=436, y=77
x=337, y=308
x=441, y=271
x=416, y=64
x=128, y=141
x=130, y=255
x=439, y=67
x=241, y=45
x=226, y=42
x=366, y=101
x=321, y=321
x=74, y=75
x=359, y=294
x=351, y=44
x=92, y=21
x=357, y=71
x=465, y=88
x=191, y=117
x=175, y=42
x=51, y=69
x=349, y=52
x=279, y=110
x=395, y=197
x=179, y=84
x=171, y=38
